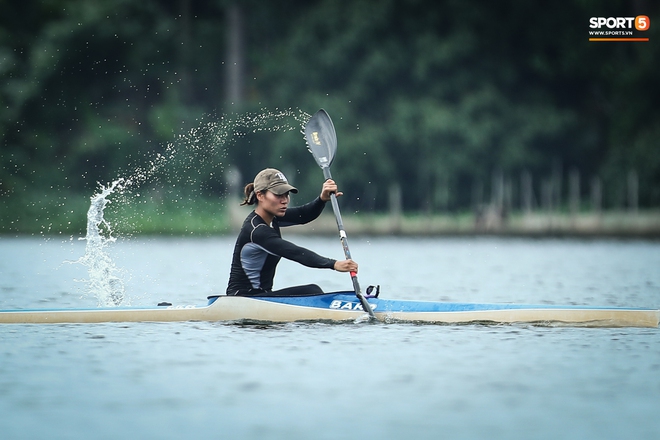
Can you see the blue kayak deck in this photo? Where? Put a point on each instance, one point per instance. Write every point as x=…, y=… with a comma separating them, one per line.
x=348, y=300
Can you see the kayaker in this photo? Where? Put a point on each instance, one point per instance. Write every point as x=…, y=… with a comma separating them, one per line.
x=260, y=246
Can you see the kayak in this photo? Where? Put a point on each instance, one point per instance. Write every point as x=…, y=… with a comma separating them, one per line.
x=344, y=307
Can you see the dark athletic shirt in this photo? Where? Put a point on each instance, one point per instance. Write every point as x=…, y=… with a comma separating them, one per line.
x=259, y=247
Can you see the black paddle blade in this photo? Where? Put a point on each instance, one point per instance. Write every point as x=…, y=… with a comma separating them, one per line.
x=321, y=138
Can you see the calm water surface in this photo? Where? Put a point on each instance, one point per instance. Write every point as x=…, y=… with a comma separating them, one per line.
x=321, y=381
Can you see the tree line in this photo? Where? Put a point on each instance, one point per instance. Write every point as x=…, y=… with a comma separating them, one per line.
x=424, y=94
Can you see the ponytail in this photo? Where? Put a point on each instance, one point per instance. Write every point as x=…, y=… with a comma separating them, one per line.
x=250, y=195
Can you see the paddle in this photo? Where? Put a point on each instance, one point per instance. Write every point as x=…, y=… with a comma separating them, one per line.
x=322, y=143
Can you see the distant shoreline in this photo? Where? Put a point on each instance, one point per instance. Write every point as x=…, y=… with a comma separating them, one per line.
x=643, y=224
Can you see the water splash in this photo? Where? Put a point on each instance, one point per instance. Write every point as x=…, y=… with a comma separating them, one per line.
x=103, y=281
x=200, y=146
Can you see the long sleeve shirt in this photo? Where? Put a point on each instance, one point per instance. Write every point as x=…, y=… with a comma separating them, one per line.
x=259, y=248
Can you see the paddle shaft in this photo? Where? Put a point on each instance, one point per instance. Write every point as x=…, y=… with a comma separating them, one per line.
x=347, y=252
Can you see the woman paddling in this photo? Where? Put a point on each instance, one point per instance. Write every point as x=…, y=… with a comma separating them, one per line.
x=259, y=246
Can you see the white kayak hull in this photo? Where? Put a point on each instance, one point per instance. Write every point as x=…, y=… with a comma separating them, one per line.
x=344, y=306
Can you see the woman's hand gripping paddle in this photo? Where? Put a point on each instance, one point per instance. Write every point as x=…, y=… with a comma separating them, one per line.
x=322, y=143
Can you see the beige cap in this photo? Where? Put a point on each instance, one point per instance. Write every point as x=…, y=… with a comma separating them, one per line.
x=274, y=181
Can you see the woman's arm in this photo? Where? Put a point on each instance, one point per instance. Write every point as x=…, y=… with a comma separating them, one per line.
x=306, y=213
x=283, y=248
x=301, y=215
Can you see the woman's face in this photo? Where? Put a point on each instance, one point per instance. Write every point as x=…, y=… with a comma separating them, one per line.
x=272, y=203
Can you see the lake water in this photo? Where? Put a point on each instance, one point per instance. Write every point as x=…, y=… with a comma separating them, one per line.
x=323, y=381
